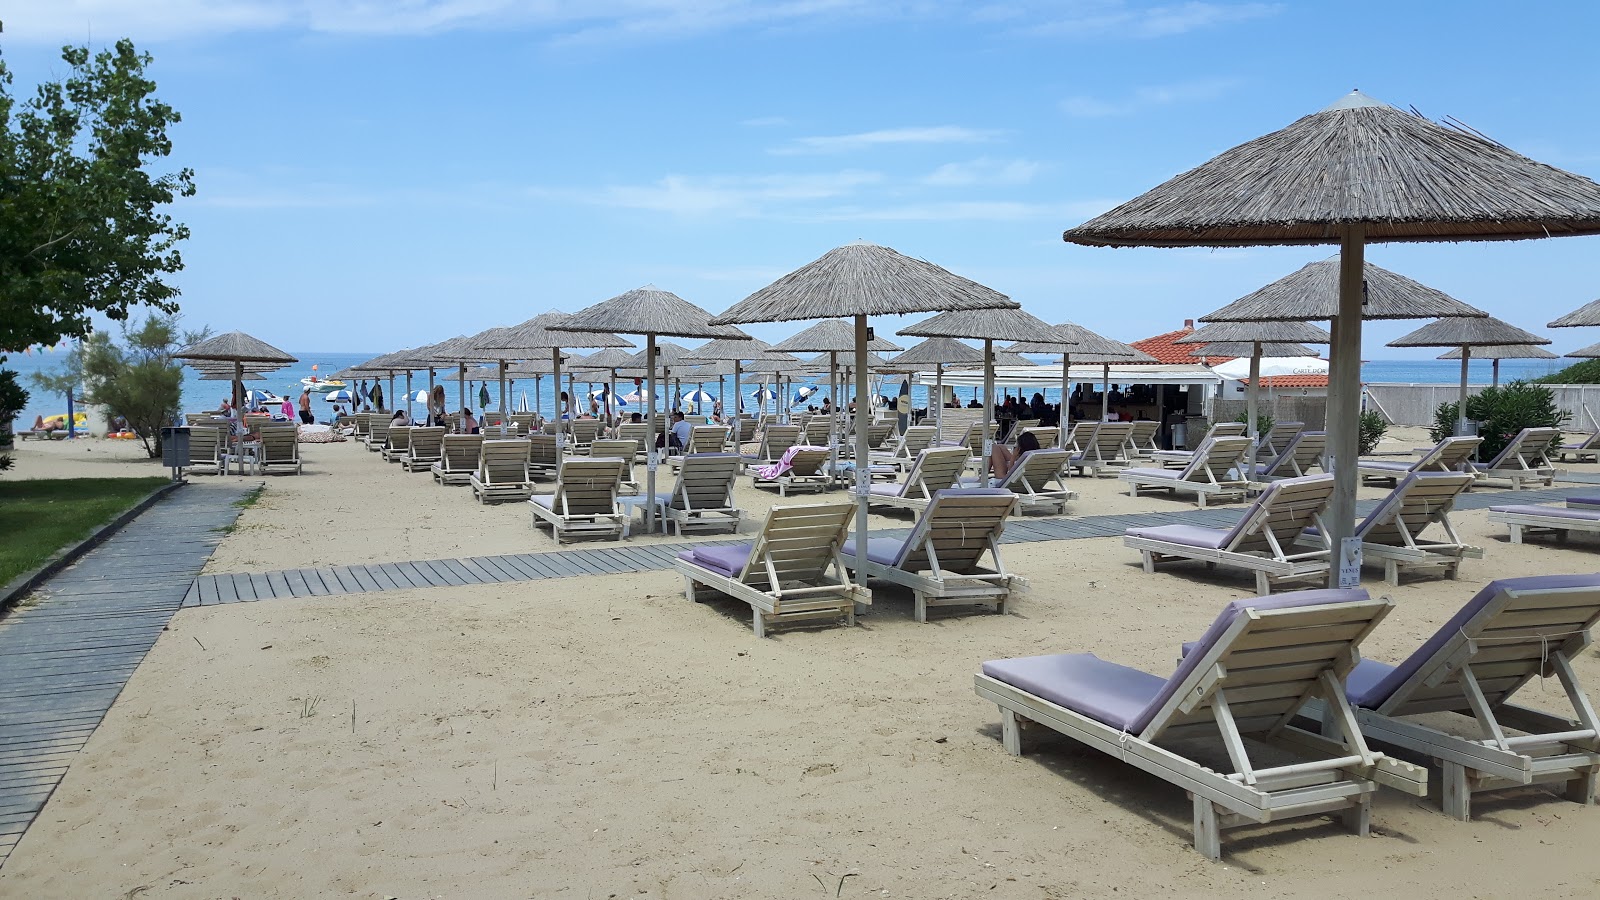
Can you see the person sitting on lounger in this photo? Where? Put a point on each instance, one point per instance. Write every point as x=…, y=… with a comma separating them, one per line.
x=677, y=436
x=469, y=425
x=1003, y=459
x=399, y=418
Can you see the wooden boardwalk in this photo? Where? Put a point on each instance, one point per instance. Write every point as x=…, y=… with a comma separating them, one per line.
x=66, y=651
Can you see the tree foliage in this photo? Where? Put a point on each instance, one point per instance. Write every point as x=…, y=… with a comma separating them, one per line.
x=140, y=381
x=1501, y=412
x=82, y=222
x=1586, y=372
x=12, y=400
x=1370, y=431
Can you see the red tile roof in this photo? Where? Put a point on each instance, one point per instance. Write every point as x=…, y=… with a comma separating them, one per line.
x=1165, y=350
x=1292, y=381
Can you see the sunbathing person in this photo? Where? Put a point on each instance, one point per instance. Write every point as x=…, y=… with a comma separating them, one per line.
x=1003, y=459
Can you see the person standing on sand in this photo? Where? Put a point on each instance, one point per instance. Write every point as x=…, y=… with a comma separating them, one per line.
x=306, y=418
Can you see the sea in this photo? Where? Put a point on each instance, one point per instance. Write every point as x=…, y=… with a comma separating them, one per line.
x=198, y=394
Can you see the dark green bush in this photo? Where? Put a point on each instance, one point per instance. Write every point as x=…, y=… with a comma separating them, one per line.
x=1263, y=421
x=1371, y=431
x=1501, y=412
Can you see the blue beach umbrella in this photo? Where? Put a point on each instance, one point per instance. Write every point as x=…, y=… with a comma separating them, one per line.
x=339, y=396
x=698, y=397
x=763, y=395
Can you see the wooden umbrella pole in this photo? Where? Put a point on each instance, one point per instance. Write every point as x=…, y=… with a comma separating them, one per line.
x=1461, y=401
x=987, y=444
x=1344, y=406
x=938, y=401
x=1062, y=420
x=863, y=471
x=555, y=365
x=652, y=455
x=502, y=365
x=461, y=371
x=1250, y=405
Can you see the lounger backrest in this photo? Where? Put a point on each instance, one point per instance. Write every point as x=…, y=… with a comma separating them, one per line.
x=1527, y=450
x=808, y=462
x=378, y=428
x=1226, y=429
x=280, y=444
x=619, y=447
x=1449, y=455
x=959, y=526
x=583, y=431
x=878, y=433
x=1214, y=457
x=459, y=452
x=934, y=471
x=817, y=430
x=634, y=431
x=427, y=443
x=705, y=481
x=528, y=420
x=541, y=450
x=1018, y=426
x=1080, y=437
x=1036, y=469
x=916, y=439
x=1507, y=633
x=1419, y=499
x=1278, y=437
x=1142, y=437
x=1284, y=511
x=588, y=486
x=1268, y=653
x=1111, y=439
x=1046, y=436
x=205, y=444
x=796, y=545
x=707, y=439
x=1307, y=449
x=504, y=462
x=778, y=438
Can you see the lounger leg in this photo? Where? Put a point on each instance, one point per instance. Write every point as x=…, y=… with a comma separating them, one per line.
x=1263, y=584
x=1457, y=793
x=1149, y=561
x=758, y=621
x=920, y=612
x=1516, y=534
x=1207, y=834
x=1391, y=573
x=1358, y=818
x=1202, y=500
x=1010, y=732
x=1581, y=789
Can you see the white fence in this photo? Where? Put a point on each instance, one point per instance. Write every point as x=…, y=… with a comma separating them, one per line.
x=1415, y=404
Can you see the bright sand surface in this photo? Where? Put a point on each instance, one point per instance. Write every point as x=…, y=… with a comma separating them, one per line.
x=607, y=738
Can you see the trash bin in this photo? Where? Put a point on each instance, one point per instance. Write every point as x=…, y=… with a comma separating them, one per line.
x=175, y=450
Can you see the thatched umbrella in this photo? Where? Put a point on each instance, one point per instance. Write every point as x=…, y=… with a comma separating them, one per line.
x=653, y=313
x=233, y=347
x=1086, y=346
x=1359, y=171
x=534, y=338
x=1496, y=353
x=610, y=360
x=1465, y=334
x=989, y=325
x=737, y=352
x=939, y=352
x=1255, y=339
x=857, y=281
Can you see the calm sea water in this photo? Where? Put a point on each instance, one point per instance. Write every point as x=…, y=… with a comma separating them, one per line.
x=198, y=394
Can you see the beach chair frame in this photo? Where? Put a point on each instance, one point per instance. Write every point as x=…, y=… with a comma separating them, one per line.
x=458, y=458
x=806, y=473
x=907, y=447
x=1030, y=479
x=1304, y=452
x=1214, y=458
x=1106, y=449
x=620, y=448
x=503, y=471
x=1453, y=454
x=584, y=503
x=702, y=497
x=397, y=444
x=377, y=432
x=279, y=450
x=1586, y=450
x=1523, y=461
x=206, y=445
x=1531, y=521
x=1142, y=439
x=932, y=471
x=1392, y=532
x=426, y=447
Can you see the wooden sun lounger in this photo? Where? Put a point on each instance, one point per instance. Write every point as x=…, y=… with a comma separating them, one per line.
x=1453, y=454
x=805, y=473
x=585, y=500
x=1142, y=439
x=773, y=440
x=941, y=561
x=205, y=450
x=377, y=432
x=502, y=472
x=933, y=471
x=623, y=449
x=1511, y=633
x=1524, y=461
x=1279, y=435
x=1254, y=669
x=702, y=498
x=1216, y=471
x=279, y=450
x=458, y=458
x=1104, y=448
x=1262, y=542
x=1039, y=479
x=785, y=573
x=703, y=439
x=1177, y=459
x=542, y=454
x=394, y=449
x=1303, y=453
x=1394, y=532
x=425, y=449
x=916, y=439
x=1586, y=450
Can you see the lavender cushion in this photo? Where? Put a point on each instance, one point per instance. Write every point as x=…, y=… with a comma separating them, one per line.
x=1166, y=474
x=1387, y=465
x=727, y=560
x=1083, y=682
x=1375, y=690
x=1577, y=514
x=1584, y=502
x=883, y=551
x=887, y=490
x=544, y=500
x=1187, y=535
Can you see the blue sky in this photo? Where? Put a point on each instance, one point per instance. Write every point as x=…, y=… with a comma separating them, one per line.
x=374, y=175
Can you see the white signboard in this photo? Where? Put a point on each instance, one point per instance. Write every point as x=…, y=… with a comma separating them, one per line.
x=1350, y=562
x=653, y=460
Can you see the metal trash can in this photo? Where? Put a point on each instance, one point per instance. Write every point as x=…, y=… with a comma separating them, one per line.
x=175, y=450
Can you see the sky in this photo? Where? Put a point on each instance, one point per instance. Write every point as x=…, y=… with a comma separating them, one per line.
x=375, y=175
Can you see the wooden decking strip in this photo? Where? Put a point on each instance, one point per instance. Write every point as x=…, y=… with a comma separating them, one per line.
x=68, y=649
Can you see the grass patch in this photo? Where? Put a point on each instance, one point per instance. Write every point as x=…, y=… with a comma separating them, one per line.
x=249, y=500
x=40, y=517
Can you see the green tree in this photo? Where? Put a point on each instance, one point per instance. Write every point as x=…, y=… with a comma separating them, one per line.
x=1501, y=412
x=82, y=226
x=1586, y=372
x=12, y=399
x=140, y=382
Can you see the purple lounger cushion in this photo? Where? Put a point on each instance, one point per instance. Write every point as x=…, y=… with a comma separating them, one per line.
x=1169, y=474
x=1387, y=465
x=1577, y=514
x=883, y=551
x=1128, y=699
x=887, y=490
x=1584, y=502
x=1373, y=682
x=728, y=560
x=545, y=500
x=1187, y=535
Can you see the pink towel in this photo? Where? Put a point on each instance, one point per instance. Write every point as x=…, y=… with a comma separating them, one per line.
x=783, y=465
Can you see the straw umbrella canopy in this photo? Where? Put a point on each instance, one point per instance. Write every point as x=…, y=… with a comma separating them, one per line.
x=1359, y=171
x=1086, y=346
x=856, y=281
x=989, y=326
x=939, y=352
x=611, y=359
x=1254, y=338
x=1465, y=334
x=1495, y=353
x=237, y=348
x=533, y=338
x=653, y=313
x=389, y=364
x=737, y=352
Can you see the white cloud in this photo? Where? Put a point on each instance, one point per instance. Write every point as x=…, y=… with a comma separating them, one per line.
x=1120, y=19
x=1148, y=98
x=983, y=172
x=842, y=143
x=721, y=195
x=952, y=211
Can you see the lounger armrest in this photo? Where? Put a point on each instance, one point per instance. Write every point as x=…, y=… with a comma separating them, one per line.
x=1408, y=779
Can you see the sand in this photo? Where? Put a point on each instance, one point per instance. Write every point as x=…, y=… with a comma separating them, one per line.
x=82, y=458
x=611, y=739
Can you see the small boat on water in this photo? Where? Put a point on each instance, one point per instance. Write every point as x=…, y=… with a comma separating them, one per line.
x=318, y=386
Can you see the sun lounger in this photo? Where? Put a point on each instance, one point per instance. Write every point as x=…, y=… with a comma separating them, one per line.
x=377, y=432
x=773, y=440
x=1104, y=448
x=941, y=561
x=635, y=431
x=1511, y=633
x=879, y=433
x=1046, y=435
x=1216, y=471
x=933, y=471
x=1263, y=541
x=817, y=432
x=1453, y=454
x=426, y=448
x=458, y=458
x=1303, y=453
x=502, y=472
x=1177, y=459
x=703, y=439
x=916, y=439
x=582, y=433
x=541, y=455
x=702, y=498
x=1524, y=460
x=1279, y=436
x=625, y=450
x=1078, y=438
x=1529, y=520
x=1039, y=479
x=1586, y=450
x=279, y=450
x=1247, y=677
x=585, y=500
x=1142, y=439
x=1394, y=532
x=205, y=449
x=785, y=573
x=394, y=449
x=800, y=469
x=363, y=424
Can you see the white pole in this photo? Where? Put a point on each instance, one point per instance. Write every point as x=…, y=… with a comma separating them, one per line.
x=555, y=365
x=1063, y=420
x=863, y=470
x=987, y=444
x=1250, y=405
x=1344, y=385
x=652, y=455
x=1461, y=411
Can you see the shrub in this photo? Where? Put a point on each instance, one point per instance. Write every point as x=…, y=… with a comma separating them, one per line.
x=12, y=399
x=1371, y=431
x=1263, y=421
x=1501, y=412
